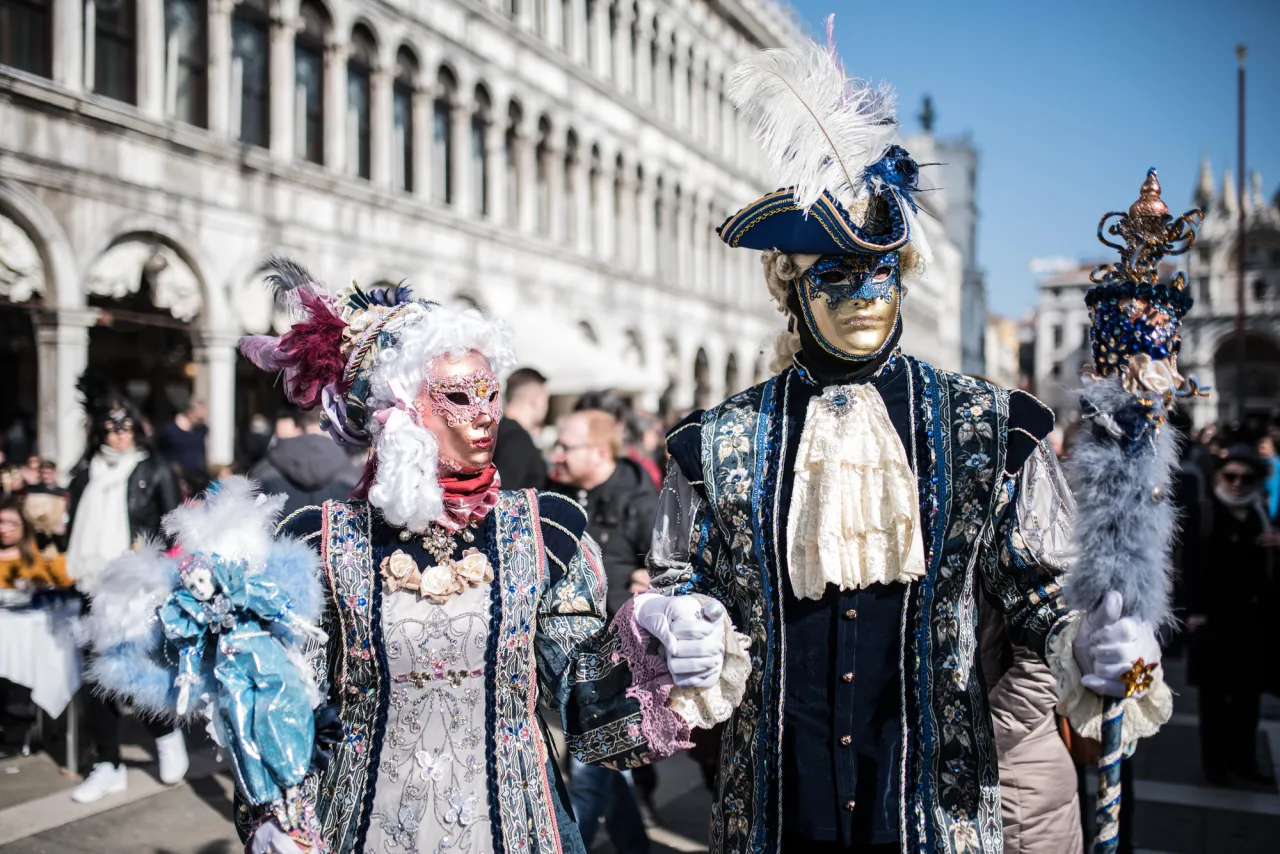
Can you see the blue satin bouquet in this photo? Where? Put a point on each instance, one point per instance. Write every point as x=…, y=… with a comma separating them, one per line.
x=218, y=628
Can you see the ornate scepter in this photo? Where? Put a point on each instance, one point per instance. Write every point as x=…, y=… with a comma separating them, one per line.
x=1122, y=466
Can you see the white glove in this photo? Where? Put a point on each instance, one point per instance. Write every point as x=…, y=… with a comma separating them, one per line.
x=1108, y=645
x=691, y=633
x=269, y=838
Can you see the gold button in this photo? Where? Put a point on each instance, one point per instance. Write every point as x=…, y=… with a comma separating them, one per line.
x=846, y=740
x=851, y=614
x=848, y=677
x=851, y=805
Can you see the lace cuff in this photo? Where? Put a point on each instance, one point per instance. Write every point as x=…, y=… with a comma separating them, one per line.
x=703, y=708
x=1143, y=716
x=295, y=815
x=666, y=731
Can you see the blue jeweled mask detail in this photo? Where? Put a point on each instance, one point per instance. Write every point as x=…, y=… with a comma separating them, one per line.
x=854, y=277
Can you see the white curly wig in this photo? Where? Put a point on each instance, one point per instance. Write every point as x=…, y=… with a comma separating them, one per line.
x=405, y=487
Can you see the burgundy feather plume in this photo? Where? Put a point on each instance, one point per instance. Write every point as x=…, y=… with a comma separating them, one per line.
x=310, y=352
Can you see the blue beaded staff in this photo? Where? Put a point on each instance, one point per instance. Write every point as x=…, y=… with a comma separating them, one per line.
x=1121, y=467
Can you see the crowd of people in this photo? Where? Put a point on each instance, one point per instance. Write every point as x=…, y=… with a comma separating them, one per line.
x=608, y=455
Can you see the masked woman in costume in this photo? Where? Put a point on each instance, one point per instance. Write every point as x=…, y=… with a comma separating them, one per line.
x=451, y=606
x=847, y=510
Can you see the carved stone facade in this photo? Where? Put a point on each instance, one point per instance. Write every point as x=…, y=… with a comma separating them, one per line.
x=560, y=163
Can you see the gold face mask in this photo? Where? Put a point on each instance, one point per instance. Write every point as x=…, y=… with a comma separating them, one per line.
x=851, y=303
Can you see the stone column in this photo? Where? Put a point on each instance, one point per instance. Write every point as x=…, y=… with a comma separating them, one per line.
x=603, y=48
x=583, y=225
x=711, y=107
x=219, y=93
x=715, y=260
x=577, y=31
x=214, y=352
x=527, y=157
x=151, y=58
x=381, y=126
x=697, y=96
x=729, y=132
x=460, y=148
x=423, y=133
x=335, y=108
x=699, y=247
x=62, y=353
x=283, y=87
x=553, y=23
x=68, y=43
x=623, y=79
x=495, y=152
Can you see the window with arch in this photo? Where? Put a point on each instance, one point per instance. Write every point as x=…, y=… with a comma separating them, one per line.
x=481, y=118
x=308, y=67
x=701, y=380
x=675, y=235
x=589, y=33
x=542, y=169
x=616, y=204
x=115, y=49
x=186, y=60
x=511, y=160
x=360, y=61
x=669, y=96
x=659, y=228
x=635, y=56
x=251, y=72
x=569, y=181
x=594, y=191
x=442, y=137
x=26, y=35
x=1260, y=292
x=731, y=379
x=512, y=8
x=655, y=68
x=402, y=120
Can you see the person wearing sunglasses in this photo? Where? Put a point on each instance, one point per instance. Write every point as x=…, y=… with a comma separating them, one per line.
x=1232, y=601
x=119, y=493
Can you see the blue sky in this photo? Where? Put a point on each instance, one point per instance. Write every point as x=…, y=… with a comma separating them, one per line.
x=1069, y=103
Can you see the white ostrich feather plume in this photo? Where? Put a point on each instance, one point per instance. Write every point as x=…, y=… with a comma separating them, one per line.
x=820, y=129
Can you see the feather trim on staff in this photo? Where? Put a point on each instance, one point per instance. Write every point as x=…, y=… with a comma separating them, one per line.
x=821, y=130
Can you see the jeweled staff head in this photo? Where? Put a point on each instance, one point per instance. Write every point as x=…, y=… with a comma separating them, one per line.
x=1135, y=316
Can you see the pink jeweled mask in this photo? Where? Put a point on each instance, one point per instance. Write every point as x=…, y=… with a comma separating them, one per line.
x=464, y=398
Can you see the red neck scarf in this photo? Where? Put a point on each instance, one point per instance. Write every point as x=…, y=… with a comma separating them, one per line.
x=468, y=497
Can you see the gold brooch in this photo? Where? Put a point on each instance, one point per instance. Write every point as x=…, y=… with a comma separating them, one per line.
x=1139, y=677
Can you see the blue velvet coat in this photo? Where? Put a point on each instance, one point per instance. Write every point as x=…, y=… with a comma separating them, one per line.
x=968, y=441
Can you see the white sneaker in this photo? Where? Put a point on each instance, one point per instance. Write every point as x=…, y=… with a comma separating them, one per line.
x=105, y=779
x=172, y=751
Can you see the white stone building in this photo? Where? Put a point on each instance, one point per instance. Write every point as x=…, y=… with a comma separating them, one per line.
x=1209, y=332
x=561, y=163
x=1062, y=338
x=932, y=312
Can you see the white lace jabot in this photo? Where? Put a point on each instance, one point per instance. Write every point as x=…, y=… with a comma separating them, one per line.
x=855, y=517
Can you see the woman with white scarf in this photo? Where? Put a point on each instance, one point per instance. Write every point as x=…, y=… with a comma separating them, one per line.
x=119, y=493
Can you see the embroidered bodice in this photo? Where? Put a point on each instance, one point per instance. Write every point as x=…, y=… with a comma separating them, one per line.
x=430, y=788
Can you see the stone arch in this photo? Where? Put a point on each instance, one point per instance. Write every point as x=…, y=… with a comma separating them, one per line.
x=39, y=225
x=732, y=379
x=701, y=379
x=214, y=311
x=1261, y=375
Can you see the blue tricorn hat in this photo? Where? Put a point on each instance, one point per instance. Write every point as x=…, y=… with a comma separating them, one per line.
x=776, y=221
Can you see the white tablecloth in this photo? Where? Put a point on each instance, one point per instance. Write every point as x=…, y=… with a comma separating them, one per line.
x=38, y=650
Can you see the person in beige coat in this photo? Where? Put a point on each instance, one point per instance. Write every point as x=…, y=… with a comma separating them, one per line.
x=1040, y=806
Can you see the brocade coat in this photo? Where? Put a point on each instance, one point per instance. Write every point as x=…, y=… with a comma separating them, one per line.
x=547, y=637
x=989, y=492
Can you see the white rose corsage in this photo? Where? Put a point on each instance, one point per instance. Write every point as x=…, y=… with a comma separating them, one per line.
x=400, y=572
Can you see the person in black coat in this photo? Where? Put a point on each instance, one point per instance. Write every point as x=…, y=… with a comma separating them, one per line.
x=520, y=463
x=620, y=499
x=309, y=468
x=119, y=494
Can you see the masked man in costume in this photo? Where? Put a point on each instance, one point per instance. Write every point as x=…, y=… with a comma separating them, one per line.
x=451, y=606
x=847, y=510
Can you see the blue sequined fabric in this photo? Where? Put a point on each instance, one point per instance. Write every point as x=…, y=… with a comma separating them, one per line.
x=854, y=277
x=1130, y=318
